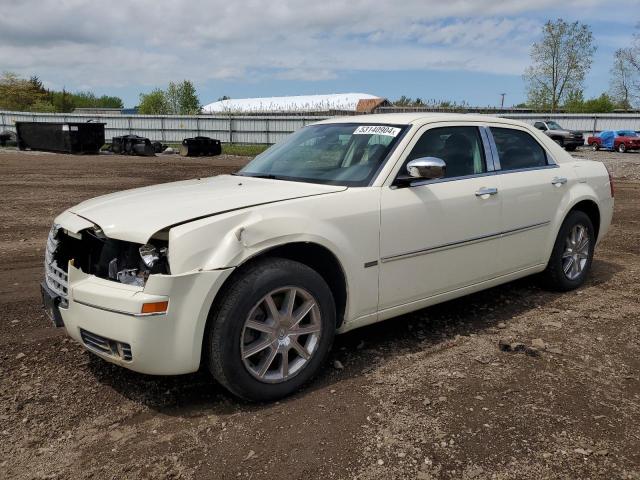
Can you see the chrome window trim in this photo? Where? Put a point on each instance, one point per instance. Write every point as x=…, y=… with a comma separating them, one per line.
x=491, y=150
x=494, y=149
x=492, y=158
x=419, y=183
x=121, y=312
x=462, y=243
x=527, y=169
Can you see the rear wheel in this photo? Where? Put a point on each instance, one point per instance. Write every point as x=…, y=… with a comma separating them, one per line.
x=572, y=253
x=622, y=148
x=272, y=330
x=559, y=141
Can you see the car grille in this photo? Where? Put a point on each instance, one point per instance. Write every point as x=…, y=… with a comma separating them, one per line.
x=55, y=277
x=100, y=344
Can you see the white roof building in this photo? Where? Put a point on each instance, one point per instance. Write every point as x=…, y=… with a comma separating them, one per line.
x=298, y=103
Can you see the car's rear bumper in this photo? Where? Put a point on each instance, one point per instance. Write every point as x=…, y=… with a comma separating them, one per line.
x=104, y=316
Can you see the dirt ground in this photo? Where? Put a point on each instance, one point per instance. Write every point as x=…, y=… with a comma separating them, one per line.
x=427, y=395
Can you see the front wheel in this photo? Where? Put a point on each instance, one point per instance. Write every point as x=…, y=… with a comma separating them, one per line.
x=272, y=329
x=595, y=147
x=572, y=253
x=622, y=148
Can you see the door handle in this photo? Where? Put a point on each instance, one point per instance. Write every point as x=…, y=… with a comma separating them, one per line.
x=486, y=191
x=557, y=181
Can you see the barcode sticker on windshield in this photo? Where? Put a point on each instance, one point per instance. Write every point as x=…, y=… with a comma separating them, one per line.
x=377, y=130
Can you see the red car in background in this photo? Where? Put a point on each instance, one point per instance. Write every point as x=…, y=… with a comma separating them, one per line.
x=623, y=140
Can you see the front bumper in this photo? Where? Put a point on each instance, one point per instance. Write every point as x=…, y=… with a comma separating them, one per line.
x=573, y=142
x=104, y=316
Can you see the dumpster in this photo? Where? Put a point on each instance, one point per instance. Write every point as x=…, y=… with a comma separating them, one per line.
x=60, y=137
x=196, y=146
x=132, y=145
x=7, y=137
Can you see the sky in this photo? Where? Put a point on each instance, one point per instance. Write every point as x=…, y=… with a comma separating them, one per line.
x=457, y=50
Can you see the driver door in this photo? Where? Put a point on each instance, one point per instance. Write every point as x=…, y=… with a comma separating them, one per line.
x=441, y=235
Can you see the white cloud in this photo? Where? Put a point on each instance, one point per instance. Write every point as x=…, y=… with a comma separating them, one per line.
x=148, y=42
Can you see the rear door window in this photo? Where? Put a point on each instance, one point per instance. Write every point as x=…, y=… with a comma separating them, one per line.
x=517, y=149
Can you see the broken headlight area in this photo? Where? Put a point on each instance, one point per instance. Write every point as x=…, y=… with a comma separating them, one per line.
x=125, y=262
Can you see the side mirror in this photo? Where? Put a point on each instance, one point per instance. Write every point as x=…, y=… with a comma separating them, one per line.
x=427, y=168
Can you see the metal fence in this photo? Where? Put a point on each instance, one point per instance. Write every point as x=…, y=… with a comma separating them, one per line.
x=583, y=122
x=255, y=129
x=172, y=129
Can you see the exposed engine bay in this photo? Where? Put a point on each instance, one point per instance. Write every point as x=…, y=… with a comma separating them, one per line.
x=111, y=259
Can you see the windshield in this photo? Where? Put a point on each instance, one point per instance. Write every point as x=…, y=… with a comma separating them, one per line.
x=336, y=153
x=554, y=126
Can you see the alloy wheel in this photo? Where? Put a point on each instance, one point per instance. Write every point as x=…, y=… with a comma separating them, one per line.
x=576, y=253
x=281, y=334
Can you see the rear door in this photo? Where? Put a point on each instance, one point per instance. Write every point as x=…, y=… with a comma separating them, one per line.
x=532, y=187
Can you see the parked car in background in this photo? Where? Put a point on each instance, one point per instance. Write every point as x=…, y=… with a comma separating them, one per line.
x=345, y=223
x=620, y=140
x=569, y=139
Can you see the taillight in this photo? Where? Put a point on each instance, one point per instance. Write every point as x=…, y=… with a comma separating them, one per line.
x=613, y=190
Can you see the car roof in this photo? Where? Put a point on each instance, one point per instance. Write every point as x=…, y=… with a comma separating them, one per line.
x=421, y=118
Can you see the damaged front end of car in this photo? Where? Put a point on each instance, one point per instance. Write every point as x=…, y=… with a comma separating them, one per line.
x=91, y=251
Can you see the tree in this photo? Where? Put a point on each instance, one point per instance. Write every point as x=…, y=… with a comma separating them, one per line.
x=30, y=96
x=403, y=101
x=576, y=103
x=179, y=99
x=623, y=78
x=18, y=94
x=172, y=96
x=153, y=103
x=625, y=73
x=561, y=61
x=188, y=98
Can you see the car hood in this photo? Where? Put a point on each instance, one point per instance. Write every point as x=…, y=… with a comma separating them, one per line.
x=135, y=215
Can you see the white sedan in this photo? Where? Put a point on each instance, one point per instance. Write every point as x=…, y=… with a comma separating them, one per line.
x=346, y=222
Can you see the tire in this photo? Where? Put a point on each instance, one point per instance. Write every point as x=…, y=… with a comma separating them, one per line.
x=595, y=146
x=230, y=341
x=554, y=275
x=571, y=148
x=622, y=148
x=559, y=141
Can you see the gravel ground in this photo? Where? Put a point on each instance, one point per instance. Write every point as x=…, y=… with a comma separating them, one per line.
x=427, y=395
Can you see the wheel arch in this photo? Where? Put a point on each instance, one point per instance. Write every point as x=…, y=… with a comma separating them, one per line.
x=592, y=210
x=583, y=200
x=315, y=256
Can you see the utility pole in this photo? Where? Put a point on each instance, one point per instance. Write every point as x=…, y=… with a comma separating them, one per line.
x=502, y=100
